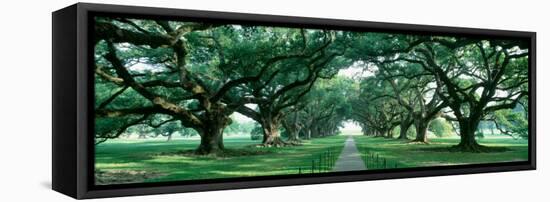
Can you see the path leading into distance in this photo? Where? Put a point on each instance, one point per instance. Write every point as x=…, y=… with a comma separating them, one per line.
x=350, y=158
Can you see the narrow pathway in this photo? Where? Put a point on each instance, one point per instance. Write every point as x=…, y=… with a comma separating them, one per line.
x=350, y=158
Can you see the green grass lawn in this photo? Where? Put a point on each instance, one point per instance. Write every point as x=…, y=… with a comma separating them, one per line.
x=399, y=153
x=131, y=161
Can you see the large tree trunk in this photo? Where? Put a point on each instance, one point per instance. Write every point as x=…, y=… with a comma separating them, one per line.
x=404, y=128
x=421, y=131
x=293, y=132
x=313, y=131
x=468, y=141
x=212, y=132
x=270, y=125
x=389, y=133
x=211, y=141
x=293, y=136
x=306, y=128
x=380, y=133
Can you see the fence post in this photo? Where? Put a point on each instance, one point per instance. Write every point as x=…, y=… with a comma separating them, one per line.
x=320, y=159
x=313, y=166
x=299, y=170
x=329, y=158
x=384, y=162
x=325, y=161
x=334, y=158
x=367, y=159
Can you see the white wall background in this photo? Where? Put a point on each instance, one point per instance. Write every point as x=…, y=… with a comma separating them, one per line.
x=25, y=100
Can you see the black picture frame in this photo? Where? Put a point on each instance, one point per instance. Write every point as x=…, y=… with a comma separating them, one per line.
x=72, y=83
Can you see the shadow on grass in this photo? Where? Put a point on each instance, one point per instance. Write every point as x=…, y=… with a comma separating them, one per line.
x=104, y=177
x=480, y=149
x=224, y=154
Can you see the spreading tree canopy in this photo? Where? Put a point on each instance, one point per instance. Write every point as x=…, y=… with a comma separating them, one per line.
x=167, y=77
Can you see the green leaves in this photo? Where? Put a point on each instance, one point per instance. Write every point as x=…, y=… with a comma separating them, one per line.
x=441, y=127
x=197, y=73
x=512, y=122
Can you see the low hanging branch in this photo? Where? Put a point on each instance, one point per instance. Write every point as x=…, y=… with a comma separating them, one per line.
x=189, y=118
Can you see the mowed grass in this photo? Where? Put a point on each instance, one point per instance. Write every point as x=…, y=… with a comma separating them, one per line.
x=174, y=161
x=403, y=155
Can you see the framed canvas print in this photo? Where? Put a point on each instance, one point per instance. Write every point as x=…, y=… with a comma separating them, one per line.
x=155, y=100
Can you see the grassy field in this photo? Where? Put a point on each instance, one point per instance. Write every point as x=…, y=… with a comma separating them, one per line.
x=156, y=160
x=132, y=161
x=399, y=153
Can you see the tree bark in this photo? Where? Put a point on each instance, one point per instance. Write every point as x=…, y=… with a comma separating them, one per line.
x=389, y=133
x=380, y=133
x=293, y=129
x=293, y=132
x=211, y=141
x=293, y=136
x=404, y=127
x=212, y=132
x=421, y=130
x=270, y=125
x=468, y=141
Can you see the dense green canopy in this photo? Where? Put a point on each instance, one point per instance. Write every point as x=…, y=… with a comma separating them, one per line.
x=166, y=77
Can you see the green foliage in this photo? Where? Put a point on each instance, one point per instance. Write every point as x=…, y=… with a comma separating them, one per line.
x=257, y=132
x=173, y=77
x=237, y=128
x=512, y=122
x=479, y=135
x=411, y=132
x=441, y=127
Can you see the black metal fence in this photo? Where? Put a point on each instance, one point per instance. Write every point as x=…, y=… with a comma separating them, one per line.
x=321, y=163
x=375, y=161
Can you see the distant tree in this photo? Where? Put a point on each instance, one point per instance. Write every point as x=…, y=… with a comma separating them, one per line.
x=476, y=77
x=257, y=132
x=193, y=72
x=293, y=79
x=375, y=108
x=441, y=127
x=513, y=123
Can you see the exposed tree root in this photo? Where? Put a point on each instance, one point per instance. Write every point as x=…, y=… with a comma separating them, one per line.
x=418, y=142
x=472, y=149
x=219, y=154
x=212, y=152
x=295, y=142
x=123, y=176
x=278, y=142
x=476, y=148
